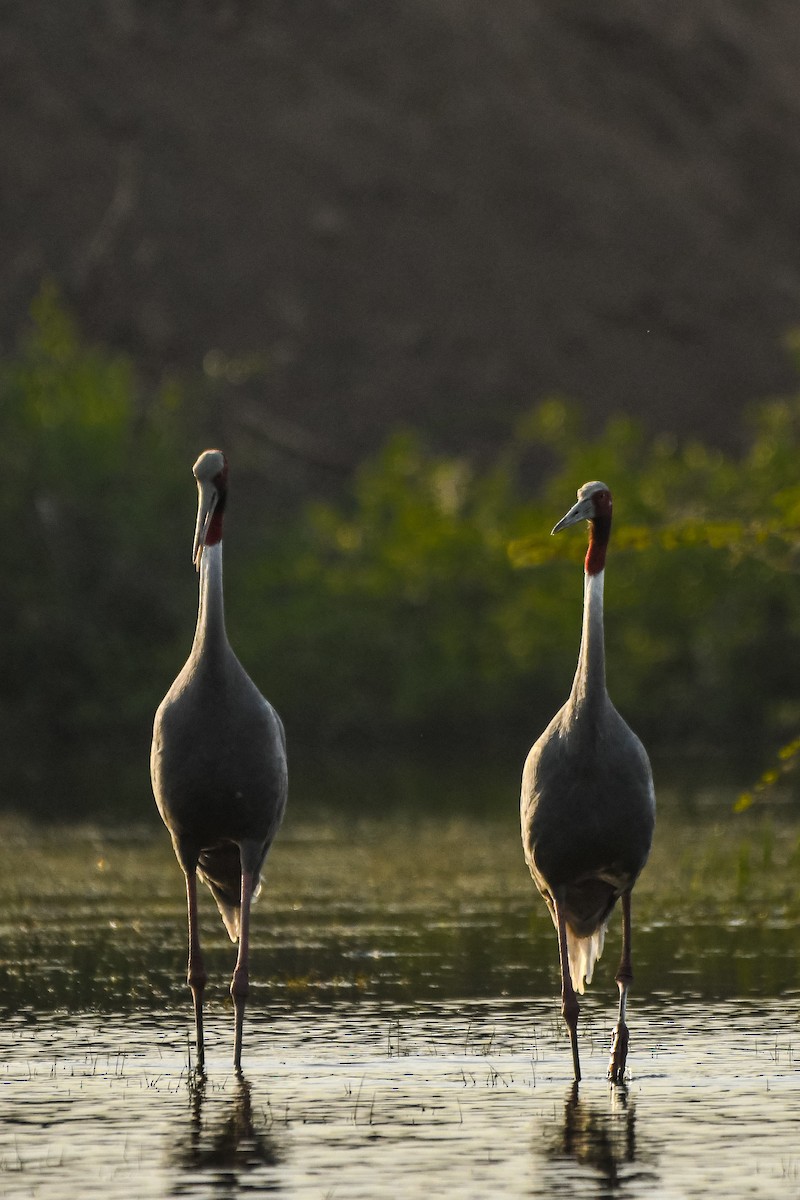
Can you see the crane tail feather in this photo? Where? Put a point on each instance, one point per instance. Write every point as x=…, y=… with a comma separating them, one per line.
x=583, y=954
x=228, y=903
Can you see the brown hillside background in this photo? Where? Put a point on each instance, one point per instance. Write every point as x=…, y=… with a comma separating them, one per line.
x=415, y=211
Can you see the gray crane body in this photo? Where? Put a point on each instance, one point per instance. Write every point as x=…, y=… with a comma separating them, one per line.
x=593, y=837
x=585, y=827
x=219, y=756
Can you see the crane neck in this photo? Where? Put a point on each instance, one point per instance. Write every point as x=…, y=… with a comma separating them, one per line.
x=589, y=685
x=210, y=633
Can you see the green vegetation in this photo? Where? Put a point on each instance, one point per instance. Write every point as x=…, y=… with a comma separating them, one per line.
x=89, y=506
x=435, y=907
x=428, y=605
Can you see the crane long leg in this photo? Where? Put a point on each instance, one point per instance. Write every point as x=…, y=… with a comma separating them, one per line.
x=240, y=982
x=569, y=1001
x=619, y=1044
x=196, y=975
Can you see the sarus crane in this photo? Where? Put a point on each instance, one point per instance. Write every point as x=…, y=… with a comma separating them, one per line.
x=218, y=763
x=588, y=803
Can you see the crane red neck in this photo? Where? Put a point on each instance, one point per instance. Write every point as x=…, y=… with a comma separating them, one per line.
x=214, y=532
x=599, y=534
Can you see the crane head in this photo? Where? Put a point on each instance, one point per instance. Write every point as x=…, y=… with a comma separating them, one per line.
x=594, y=504
x=211, y=473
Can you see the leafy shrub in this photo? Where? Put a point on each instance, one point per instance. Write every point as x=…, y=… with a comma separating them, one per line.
x=427, y=604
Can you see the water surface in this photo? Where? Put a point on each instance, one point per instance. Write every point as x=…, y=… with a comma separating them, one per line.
x=403, y=1036
x=370, y=1100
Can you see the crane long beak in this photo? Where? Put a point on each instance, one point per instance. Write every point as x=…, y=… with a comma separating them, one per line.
x=207, y=497
x=582, y=511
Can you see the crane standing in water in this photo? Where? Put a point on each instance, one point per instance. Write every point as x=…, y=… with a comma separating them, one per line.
x=588, y=804
x=218, y=762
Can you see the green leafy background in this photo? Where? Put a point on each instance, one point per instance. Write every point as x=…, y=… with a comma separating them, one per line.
x=423, y=605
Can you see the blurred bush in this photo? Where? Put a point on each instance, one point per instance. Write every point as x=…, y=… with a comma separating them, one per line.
x=434, y=601
x=88, y=609
x=428, y=605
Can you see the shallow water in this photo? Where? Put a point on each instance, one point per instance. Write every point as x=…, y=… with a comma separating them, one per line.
x=403, y=1036
x=370, y=1100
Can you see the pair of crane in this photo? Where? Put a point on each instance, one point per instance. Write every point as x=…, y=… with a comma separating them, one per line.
x=218, y=767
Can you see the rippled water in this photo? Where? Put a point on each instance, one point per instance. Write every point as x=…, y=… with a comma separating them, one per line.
x=372, y=1100
x=403, y=1036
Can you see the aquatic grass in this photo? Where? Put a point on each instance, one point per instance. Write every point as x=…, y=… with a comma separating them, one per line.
x=405, y=907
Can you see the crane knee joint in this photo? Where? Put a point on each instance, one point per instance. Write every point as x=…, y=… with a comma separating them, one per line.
x=196, y=979
x=240, y=985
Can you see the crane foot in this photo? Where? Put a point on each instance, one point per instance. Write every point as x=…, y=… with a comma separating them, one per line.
x=619, y=1053
x=239, y=990
x=197, y=1001
x=576, y=1062
x=570, y=1010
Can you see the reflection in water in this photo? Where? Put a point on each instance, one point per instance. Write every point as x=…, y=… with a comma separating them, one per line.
x=600, y=1138
x=221, y=1149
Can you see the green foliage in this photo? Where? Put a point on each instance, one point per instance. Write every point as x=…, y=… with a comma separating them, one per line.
x=436, y=602
x=428, y=604
x=390, y=614
x=786, y=762
x=89, y=490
